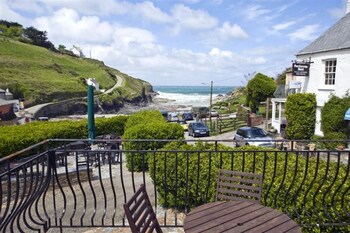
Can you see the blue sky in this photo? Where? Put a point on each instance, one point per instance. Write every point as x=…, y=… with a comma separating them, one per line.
x=184, y=42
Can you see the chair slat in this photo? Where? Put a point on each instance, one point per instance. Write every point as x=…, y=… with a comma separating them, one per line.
x=234, y=185
x=140, y=214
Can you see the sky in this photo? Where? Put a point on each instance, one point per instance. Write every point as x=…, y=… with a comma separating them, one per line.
x=183, y=42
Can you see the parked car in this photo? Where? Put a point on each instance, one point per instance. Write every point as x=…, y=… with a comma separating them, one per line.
x=164, y=114
x=252, y=136
x=214, y=113
x=187, y=116
x=183, y=124
x=172, y=117
x=198, y=128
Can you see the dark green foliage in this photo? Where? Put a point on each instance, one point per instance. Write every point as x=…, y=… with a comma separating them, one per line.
x=189, y=178
x=335, y=140
x=15, y=138
x=171, y=179
x=18, y=90
x=147, y=125
x=143, y=117
x=10, y=29
x=113, y=125
x=259, y=89
x=300, y=112
x=38, y=37
x=332, y=116
x=281, y=78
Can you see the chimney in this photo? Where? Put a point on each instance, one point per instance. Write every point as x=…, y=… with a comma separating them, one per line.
x=348, y=6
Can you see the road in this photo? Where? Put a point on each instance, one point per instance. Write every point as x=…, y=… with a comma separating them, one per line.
x=118, y=84
x=30, y=112
x=225, y=136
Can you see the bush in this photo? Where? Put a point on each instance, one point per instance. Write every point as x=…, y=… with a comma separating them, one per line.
x=301, y=116
x=185, y=175
x=188, y=178
x=18, y=137
x=332, y=116
x=148, y=126
x=337, y=138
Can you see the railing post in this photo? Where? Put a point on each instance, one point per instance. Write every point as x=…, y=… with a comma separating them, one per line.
x=52, y=159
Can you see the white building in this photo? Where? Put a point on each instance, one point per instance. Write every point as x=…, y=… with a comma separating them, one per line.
x=329, y=73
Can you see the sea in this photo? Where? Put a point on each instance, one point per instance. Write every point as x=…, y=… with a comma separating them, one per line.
x=192, y=95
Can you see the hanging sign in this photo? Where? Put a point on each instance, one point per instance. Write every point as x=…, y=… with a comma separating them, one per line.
x=301, y=69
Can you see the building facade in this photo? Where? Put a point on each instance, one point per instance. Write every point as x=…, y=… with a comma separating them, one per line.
x=328, y=58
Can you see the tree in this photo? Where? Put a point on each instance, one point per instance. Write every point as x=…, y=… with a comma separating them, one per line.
x=61, y=48
x=38, y=37
x=259, y=89
x=281, y=78
x=18, y=90
x=10, y=29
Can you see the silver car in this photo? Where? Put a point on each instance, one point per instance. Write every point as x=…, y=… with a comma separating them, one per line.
x=252, y=136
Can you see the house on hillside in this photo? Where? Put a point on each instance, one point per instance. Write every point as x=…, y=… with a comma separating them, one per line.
x=7, y=105
x=326, y=64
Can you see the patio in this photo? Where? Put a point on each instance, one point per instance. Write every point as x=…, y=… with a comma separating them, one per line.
x=83, y=190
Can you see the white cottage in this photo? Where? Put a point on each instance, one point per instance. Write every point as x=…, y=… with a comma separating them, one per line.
x=329, y=57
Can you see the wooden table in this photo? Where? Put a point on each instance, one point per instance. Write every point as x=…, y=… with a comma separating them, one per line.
x=238, y=216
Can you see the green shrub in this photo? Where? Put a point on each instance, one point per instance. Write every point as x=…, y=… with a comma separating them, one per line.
x=110, y=125
x=337, y=137
x=187, y=178
x=192, y=162
x=144, y=117
x=332, y=115
x=18, y=137
x=301, y=116
x=147, y=125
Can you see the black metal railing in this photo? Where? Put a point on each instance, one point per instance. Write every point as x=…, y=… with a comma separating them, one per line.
x=73, y=184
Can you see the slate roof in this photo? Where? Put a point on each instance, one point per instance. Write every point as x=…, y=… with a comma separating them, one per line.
x=335, y=38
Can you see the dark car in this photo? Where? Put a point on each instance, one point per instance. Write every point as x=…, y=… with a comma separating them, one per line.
x=187, y=116
x=198, y=128
x=252, y=136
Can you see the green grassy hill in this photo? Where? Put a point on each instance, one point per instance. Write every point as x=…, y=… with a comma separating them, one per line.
x=41, y=76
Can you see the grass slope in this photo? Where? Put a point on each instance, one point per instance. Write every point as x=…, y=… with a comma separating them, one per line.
x=47, y=76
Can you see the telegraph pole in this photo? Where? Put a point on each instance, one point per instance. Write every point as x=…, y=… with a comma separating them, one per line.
x=210, y=103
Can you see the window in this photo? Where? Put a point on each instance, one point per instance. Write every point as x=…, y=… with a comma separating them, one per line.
x=329, y=74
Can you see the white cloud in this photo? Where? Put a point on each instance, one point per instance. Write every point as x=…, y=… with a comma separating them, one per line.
x=306, y=33
x=90, y=7
x=255, y=11
x=150, y=12
x=283, y=26
x=228, y=31
x=66, y=26
x=187, y=18
x=9, y=14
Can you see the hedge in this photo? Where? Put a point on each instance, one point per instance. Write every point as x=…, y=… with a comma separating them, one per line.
x=151, y=126
x=283, y=180
x=18, y=137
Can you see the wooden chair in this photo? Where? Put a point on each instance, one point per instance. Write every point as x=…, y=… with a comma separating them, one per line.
x=140, y=214
x=233, y=185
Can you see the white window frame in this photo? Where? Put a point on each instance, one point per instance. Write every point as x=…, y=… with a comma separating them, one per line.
x=330, y=68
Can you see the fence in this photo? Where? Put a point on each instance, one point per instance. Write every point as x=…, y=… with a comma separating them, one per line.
x=63, y=184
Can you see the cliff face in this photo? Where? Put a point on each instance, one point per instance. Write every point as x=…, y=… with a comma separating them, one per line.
x=79, y=106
